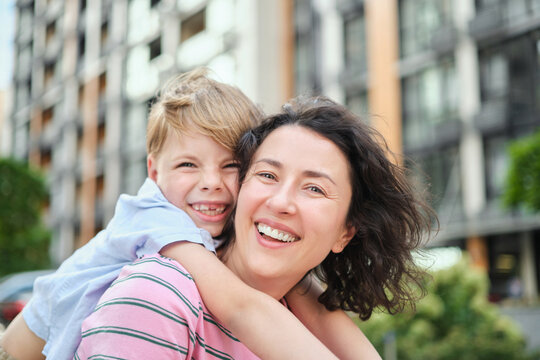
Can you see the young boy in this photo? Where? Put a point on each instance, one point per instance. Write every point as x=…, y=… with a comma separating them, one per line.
x=190, y=193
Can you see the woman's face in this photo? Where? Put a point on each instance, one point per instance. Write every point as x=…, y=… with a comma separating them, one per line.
x=291, y=209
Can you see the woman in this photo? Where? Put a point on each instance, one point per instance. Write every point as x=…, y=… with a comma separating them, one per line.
x=318, y=193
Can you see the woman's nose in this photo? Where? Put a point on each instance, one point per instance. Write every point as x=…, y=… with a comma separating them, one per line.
x=282, y=201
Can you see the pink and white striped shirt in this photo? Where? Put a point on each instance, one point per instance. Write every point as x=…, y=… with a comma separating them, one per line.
x=154, y=311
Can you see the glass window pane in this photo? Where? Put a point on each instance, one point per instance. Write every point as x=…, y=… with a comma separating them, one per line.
x=496, y=166
x=355, y=44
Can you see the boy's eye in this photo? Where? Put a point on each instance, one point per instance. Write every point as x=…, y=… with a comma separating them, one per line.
x=233, y=165
x=186, y=164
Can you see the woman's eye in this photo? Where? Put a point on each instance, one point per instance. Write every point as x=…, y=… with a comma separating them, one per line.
x=266, y=175
x=315, y=189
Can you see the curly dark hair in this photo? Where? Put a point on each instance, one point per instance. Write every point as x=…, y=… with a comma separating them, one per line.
x=376, y=268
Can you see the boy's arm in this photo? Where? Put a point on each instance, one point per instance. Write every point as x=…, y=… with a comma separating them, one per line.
x=334, y=328
x=20, y=342
x=263, y=324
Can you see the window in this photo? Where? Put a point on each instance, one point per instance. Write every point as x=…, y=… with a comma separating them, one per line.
x=48, y=76
x=509, y=79
x=135, y=127
x=100, y=186
x=22, y=94
x=358, y=104
x=102, y=84
x=24, y=65
x=50, y=32
x=25, y=23
x=306, y=66
x=81, y=46
x=155, y=48
x=135, y=173
x=80, y=97
x=104, y=35
x=429, y=102
x=20, y=143
x=496, y=165
x=101, y=135
x=47, y=117
x=486, y=4
x=442, y=168
x=193, y=25
x=355, y=44
x=494, y=75
x=45, y=160
x=419, y=19
x=512, y=9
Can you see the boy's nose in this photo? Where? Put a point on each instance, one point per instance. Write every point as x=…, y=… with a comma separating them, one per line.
x=211, y=181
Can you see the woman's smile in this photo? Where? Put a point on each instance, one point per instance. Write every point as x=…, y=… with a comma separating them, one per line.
x=276, y=232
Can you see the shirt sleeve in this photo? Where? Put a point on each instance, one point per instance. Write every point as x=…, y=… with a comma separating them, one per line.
x=145, y=223
x=150, y=312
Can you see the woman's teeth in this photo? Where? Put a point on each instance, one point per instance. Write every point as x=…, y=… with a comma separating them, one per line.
x=211, y=210
x=276, y=234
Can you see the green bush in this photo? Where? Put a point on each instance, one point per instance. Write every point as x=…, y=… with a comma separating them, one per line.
x=454, y=321
x=24, y=241
x=523, y=178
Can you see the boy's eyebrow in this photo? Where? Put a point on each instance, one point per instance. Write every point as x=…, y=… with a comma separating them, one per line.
x=184, y=157
x=307, y=173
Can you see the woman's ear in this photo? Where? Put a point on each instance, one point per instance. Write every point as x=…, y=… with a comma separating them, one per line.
x=152, y=167
x=346, y=236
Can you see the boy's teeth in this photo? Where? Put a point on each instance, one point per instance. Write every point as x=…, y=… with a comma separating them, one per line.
x=211, y=210
x=276, y=234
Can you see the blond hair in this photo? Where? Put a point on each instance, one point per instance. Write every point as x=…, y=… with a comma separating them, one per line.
x=193, y=101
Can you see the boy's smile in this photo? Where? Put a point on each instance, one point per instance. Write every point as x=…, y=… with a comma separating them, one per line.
x=211, y=211
x=197, y=175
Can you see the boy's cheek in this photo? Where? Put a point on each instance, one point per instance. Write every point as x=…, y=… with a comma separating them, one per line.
x=233, y=186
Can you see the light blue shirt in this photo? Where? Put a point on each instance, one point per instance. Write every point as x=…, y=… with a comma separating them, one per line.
x=141, y=225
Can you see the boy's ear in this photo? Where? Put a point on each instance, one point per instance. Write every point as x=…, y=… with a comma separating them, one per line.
x=152, y=167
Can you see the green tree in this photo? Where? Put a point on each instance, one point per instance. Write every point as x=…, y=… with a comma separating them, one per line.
x=24, y=240
x=523, y=178
x=454, y=321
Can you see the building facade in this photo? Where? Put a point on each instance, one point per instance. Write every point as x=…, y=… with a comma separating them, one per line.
x=86, y=71
x=449, y=83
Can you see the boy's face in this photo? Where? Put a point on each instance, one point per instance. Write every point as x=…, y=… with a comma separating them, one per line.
x=199, y=176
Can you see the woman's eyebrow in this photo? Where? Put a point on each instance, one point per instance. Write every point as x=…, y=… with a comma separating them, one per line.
x=318, y=174
x=307, y=173
x=272, y=162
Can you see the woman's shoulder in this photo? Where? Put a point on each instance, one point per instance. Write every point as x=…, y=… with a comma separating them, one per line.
x=160, y=265
x=158, y=277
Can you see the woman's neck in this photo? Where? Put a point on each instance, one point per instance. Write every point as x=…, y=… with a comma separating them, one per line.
x=275, y=287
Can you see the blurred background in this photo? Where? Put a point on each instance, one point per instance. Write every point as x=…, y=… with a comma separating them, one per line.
x=453, y=85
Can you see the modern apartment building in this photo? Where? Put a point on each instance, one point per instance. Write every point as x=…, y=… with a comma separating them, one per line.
x=449, y=83
x=86, y=71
